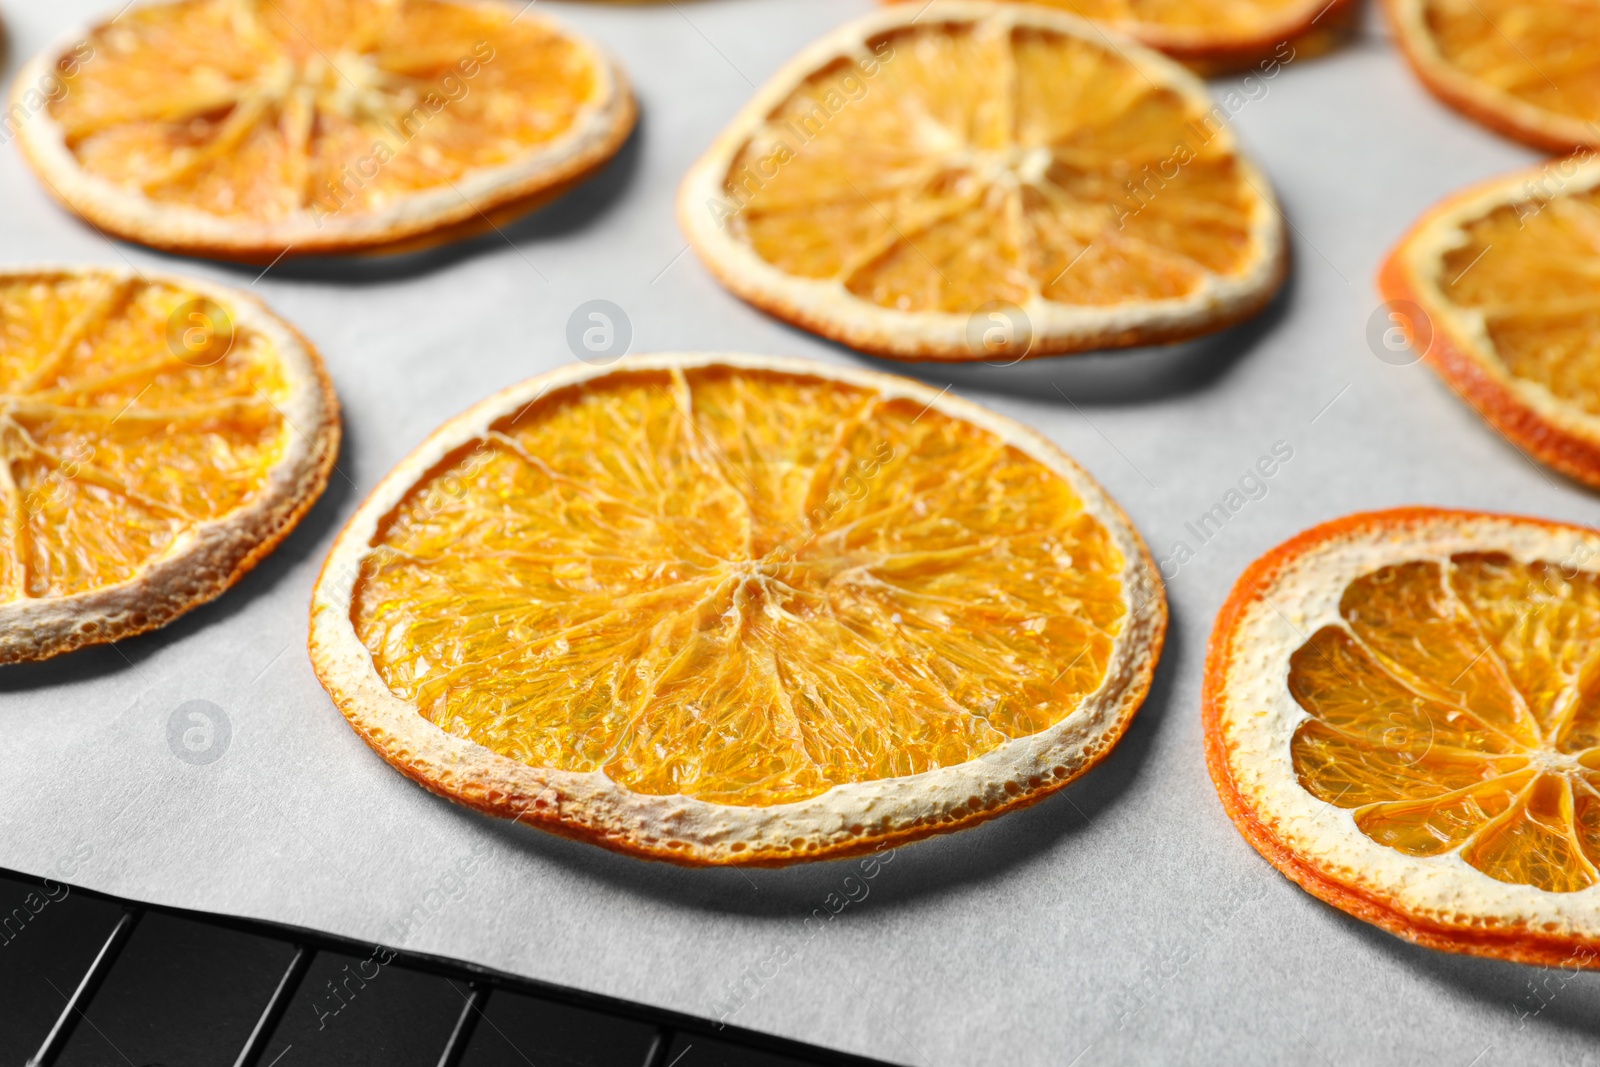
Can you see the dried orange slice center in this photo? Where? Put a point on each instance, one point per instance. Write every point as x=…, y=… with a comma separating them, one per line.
x=740, y=585
x=1456, y=708
x=267, y=111
x=1544, y=54
x=1527, y=268
x=946, y=165
x=131, y=412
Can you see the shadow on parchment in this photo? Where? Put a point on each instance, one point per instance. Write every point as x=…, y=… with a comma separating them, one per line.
x=995, y=849
x=1113, y=378
x=1525, y=995
x=98, y=661
x=571, y=211
x=983, y=854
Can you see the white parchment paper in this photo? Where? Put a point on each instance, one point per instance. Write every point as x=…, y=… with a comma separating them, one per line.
x=1123, y=921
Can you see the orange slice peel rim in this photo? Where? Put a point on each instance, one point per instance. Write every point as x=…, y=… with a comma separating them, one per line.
x=1207, y=51
x=1248, y=716
x=211, y=555
x=825, y=306
x=1486, y=104
x=1458, y=344
x=480, y=201
x=849, y=818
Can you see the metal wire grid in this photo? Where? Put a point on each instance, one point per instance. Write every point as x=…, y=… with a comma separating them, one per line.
x=671, y=1030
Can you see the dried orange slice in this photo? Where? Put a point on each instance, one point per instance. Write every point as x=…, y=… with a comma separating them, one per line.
x=1495, y=287
x=737, y=610
x=1213, y=36
x=159, y=436
x=965, y=181
x=1402, y=714
x=248, y=129
x=1530, y=70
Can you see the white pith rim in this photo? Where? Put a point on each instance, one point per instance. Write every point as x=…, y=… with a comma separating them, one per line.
x=1411, y=24
x=1195, y=41
x=1443, y=230
x=190, y=568
x=1056, y=327
x=1257, y=718
x=682, y=828
x=595, y=135
x=1191, y=39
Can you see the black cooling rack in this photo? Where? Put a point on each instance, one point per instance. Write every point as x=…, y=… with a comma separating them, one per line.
x=89, y=980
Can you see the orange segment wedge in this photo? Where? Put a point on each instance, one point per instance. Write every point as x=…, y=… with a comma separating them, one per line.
x=1495, y=287
x=247, y=129
x=1213, y=36
x=158, y=436
x=965, y=181
x=719, y=609
x=1402, y=713
x=1530, y=70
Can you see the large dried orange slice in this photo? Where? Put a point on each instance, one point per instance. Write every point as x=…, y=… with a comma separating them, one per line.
x=968, y=181
x=1402, y=714
x=1213, y=36
x=158, y=436
x=738, y=610
x=1495, y=287
x=249, y=129
x=1530, y=70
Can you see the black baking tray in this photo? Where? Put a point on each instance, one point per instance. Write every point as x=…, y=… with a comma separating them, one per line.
x=91, y=980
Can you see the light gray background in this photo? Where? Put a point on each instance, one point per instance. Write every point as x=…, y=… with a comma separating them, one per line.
x=1123, y=921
